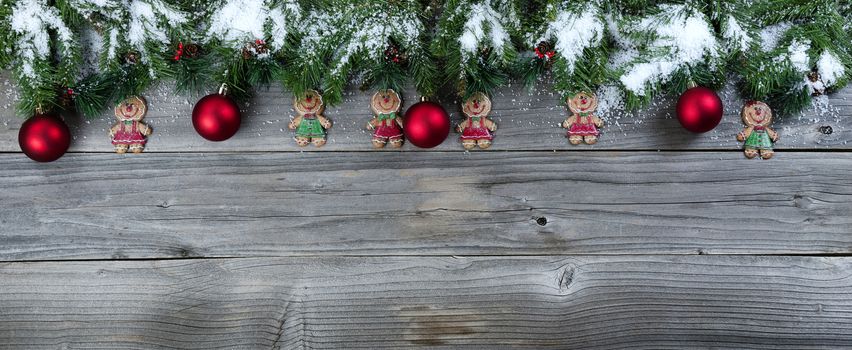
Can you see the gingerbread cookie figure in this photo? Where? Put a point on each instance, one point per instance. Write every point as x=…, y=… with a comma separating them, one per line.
x=476, y=129
x=757, y=135
x=130, y=132
x=583, y=125
x=309, y=124
x=387, y=124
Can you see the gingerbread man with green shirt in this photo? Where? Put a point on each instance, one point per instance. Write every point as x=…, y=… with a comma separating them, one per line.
x=757, y=135
x=310, y=124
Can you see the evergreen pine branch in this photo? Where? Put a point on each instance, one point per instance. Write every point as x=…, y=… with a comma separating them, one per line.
x=92, y=95
x=7, y=36
x=474, y=44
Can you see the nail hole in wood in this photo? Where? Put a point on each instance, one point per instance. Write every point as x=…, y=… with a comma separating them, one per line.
x=541, y=221
x=826, y=130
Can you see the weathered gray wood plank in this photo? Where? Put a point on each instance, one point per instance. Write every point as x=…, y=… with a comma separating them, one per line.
x=617, y=302
x=527, y=121
x=105, y=206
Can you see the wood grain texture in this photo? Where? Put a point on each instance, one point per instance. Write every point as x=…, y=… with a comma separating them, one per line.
x=617, y=302
x=528, y=120
x=104, y=206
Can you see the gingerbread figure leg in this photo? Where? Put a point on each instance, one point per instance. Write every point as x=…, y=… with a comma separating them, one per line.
x=750, y=153
x=766, y=153
x=379, y=142
x=136, y=148
x=396, y=142
x=302, y=141
x=591, y=139
x=318, y=141
x=575, y=139
x=120, y=149
x=468, y=144
x=483, y=144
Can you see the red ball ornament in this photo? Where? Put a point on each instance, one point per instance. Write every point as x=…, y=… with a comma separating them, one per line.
x=216, y=117
x=44, y=137
x=699, y=109
x=426, y=124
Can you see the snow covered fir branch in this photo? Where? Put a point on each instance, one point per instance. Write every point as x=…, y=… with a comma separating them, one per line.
x=83, y=55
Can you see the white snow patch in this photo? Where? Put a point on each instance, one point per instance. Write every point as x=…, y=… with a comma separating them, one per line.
x=798, y=55
x=31, y=20
x=610, y=100
x=474, y=29
x=736, y=36
x=238, y=21
x=371, y=33
x=688, y=39
x=830, y=68
x=573, y=33
x=770, y=35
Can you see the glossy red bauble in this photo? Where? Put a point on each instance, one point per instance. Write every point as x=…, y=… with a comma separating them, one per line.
x=426, y=124
x=216, y=117
x=699, y=109
x=44, y=137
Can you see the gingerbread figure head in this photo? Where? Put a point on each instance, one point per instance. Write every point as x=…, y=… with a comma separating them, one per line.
x=756, y=113
x=583, y=102
x=131, y=109
x=309, y=103
x=477, y=105
x=385, y=102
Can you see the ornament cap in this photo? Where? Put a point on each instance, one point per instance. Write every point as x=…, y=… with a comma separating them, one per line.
x=223, y=90
x=691, y=84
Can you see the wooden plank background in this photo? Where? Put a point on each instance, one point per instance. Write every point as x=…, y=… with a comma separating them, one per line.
x=652, y=239
x=625, y=302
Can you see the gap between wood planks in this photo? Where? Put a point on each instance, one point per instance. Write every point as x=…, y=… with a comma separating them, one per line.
x=426, y=256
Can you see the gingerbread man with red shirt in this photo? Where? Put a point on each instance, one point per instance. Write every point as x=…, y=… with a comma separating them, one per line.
x=387, y=124
x=129, y=133
x=476, y=129
x=583, y=124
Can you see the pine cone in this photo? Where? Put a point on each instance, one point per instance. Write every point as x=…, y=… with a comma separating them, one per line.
x=395, y=55
x=813, y=76
x=191, y=50
x=131, y=57
x=816, y=83
x=253, y=49
x=66, y=97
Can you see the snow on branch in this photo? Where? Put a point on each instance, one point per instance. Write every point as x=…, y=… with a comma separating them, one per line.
x=574, y=32
x=682, y=38
x=487, y=25
x=241, y=21
x=31, y=21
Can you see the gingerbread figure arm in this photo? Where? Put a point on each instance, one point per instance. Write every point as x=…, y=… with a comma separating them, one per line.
x=745, y=133
x=114, y=129
x=325, y=122
x=569, y=121
x=145, y=129
x=598, y=121
x=462, y=125
x=490, y=124
x=772, y=134
x=373, y=123
x=295, y=122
